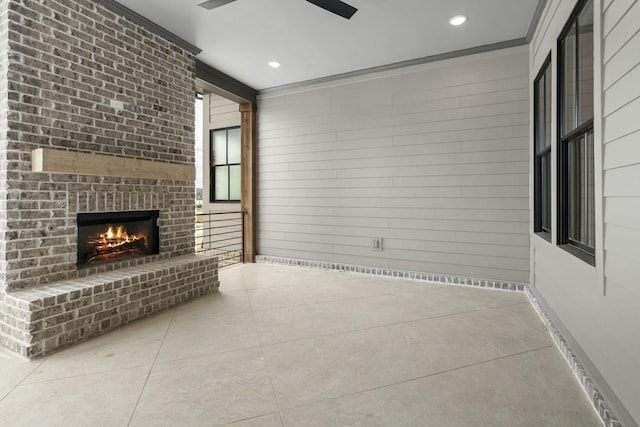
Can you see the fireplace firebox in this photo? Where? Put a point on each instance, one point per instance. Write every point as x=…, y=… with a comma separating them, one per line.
x=114, y=236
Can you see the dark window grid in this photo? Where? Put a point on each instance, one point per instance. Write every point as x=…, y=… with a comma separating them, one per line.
x=567, y=177
x=213, y=182
x=572, y=24
x=213, y=167
x=542, y=191
x=580, y=168
x=576, y=247
x=542, y=156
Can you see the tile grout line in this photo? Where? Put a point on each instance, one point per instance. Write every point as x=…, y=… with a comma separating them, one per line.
x=230, y=424
x=266, y=362
x=110, y=371
x=421, y=377
x=382, y=294
x=406, y=322
x=153, y=363
x=220, y=353
x=23, y=379
x=333, y=301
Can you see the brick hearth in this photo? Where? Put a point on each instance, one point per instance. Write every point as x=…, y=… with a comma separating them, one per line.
x=46, y=318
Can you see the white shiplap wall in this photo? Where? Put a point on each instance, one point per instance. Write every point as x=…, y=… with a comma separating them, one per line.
x=599, y=305
x=621, y=110
x=433, y=158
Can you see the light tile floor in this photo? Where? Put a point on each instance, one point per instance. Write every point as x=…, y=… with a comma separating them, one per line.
x=284, y=346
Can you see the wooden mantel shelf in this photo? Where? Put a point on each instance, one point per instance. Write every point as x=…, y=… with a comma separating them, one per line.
x=74, y=162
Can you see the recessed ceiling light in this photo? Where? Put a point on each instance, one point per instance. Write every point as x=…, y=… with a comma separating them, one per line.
x=458, y=20
x=274, y=64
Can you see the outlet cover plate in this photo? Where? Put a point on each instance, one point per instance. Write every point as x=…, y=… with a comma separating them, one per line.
x=376, y=244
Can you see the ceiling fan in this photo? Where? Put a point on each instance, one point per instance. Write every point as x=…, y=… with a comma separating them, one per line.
x=334, y=6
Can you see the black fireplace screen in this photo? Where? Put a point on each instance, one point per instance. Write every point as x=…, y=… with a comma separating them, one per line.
x=111, y=236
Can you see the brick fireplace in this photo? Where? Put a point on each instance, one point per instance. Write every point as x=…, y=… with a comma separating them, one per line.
x=70, y=146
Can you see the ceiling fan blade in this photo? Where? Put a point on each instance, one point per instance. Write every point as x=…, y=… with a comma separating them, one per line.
x=212, y=4
x=336, y=6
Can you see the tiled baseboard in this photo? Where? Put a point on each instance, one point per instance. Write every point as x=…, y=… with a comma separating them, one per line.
x=597, y=399
x=388, y=272
x=577, y=367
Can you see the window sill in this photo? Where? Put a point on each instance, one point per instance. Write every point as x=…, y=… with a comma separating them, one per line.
x=544, y=234
x=579, y=253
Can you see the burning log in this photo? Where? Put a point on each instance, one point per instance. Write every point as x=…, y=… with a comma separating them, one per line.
x=115, y=243
x=105, y=252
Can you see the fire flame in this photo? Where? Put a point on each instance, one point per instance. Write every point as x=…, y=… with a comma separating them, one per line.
x=118, y=237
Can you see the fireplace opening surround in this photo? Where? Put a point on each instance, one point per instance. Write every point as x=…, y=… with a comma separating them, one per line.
x=113, y=236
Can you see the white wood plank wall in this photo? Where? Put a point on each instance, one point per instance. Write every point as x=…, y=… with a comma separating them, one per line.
x=222, y=112
x=621, y=128
x=602, y=317
x=433, y=159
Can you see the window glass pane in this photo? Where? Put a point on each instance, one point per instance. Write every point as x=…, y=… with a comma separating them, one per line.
x=234, y=145
x=545, y=198
x=219, y=148
x=212, y=180
x=581, y=191
x=575, y=154
x=222, y=183
x=547, y=107
x=234, y=180
x=542, y=169
x=585, y=63
x=568, y=47
x=590, y=193
x=540, y=115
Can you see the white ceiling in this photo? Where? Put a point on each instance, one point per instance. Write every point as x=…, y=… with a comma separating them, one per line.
x=241, y=37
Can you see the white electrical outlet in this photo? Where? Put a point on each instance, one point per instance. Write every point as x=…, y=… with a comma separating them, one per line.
x=376, y=243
